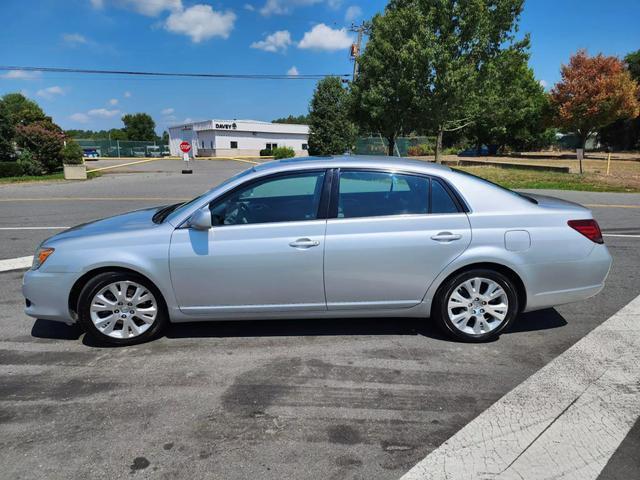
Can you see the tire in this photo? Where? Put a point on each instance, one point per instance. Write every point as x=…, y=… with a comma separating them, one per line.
x=476, y=305
x=121, y=308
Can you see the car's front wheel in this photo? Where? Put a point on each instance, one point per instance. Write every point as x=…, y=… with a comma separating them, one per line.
x=476, y=305
x=121, y=308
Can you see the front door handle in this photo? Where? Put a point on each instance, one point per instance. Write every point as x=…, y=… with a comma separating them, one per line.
x=304, y=243
x=446, y=237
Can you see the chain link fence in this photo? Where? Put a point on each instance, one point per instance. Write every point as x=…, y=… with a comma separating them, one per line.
x=122, y=148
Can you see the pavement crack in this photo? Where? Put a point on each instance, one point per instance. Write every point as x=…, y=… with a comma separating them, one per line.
x=556, y=418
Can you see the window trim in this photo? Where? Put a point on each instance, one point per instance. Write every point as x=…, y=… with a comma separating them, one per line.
x=335, y=193
x=321, y=214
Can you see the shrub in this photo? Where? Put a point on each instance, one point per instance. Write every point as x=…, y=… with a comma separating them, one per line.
x=72, y=154
x=266, y=152
x=420, y=150
x=283, y=152
x=29, y=165
x=45, y=140
x=10, y=169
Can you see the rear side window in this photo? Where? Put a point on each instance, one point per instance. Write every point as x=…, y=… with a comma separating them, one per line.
x=441, y=201
x=375, y=194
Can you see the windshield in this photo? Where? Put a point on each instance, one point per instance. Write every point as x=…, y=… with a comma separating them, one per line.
x=521, y=195
x=173, y=210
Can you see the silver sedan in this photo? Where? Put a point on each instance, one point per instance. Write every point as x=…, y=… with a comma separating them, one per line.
x=324, y=237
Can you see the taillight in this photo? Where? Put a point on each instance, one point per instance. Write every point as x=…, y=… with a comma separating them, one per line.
x=588, y=228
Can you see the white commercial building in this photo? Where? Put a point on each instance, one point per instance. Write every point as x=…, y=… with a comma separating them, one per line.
x=232, y=138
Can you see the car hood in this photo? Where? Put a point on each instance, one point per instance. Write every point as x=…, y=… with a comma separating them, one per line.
x=553, y=202
x=132, y=221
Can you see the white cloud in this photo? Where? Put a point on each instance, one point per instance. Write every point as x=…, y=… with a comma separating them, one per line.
x=201, y=22
x=352, y=13
x=322, y=37
x=126, y=94
x=113, y=101
x=284, y=7
x=103, y=113
x=74, y=39
x=50, y=92
x=20, y=75
x=544, y=83
x=168, y=111
x=249, y=8
x=80, y=117
x=277, y=41
x=293, y=71
x=150, y=8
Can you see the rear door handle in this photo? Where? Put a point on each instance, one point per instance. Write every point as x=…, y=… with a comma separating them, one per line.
x=304, y=243
x=445, y=237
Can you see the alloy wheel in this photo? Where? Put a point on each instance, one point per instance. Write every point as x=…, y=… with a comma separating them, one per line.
x=477, y=306
x=123, y=309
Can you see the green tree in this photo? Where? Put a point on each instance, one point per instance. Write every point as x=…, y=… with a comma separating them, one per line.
x=385, y=91
x=7, y=134
x=513, y=104
x=140, y=127
x=457, y=43
x=21, y=110
x=331, y=131
x=299, y=120
x=633, y=64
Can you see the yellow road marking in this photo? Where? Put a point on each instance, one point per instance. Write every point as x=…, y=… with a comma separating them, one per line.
x=595, y=205
x=124, y=165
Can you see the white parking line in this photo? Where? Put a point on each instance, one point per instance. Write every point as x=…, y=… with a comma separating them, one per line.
x=565, y=421
x=620, y=235
x=15, y=263
x=33, y=228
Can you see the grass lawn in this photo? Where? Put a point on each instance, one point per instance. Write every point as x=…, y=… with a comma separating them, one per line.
x=43, y=178
x=590, y=182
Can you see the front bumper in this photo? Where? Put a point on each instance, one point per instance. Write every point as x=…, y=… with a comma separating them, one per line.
x=47, y=295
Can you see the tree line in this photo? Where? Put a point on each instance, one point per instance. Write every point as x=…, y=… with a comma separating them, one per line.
x=457, y=71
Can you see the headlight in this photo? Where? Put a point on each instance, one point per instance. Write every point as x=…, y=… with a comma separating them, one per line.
x=41, y=256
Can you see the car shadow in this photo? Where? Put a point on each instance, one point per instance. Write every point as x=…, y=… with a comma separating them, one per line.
x=527, y=322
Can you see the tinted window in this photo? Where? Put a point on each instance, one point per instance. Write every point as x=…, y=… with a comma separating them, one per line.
x=288, y=198
x=441, y=201
x=373, y=194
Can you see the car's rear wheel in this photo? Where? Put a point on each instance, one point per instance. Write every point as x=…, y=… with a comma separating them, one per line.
x=121, y=308
x=476, y=305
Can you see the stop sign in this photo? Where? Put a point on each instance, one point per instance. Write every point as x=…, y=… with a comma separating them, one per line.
x=185, y=147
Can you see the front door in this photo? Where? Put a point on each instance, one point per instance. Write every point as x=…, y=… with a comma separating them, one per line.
x=264, y=253
x=392, y=235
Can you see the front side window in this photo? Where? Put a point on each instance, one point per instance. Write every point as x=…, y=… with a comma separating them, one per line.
x=290, y=198
x=375, y=194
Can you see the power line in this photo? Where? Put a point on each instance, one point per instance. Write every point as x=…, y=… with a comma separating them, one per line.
x=171, y=74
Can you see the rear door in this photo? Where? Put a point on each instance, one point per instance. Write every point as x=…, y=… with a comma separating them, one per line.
x=391, y=234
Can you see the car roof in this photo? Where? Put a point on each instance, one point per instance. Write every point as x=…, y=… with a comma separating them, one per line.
x=351, y=161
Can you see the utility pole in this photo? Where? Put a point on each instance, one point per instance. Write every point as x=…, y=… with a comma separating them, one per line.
x=361, y=29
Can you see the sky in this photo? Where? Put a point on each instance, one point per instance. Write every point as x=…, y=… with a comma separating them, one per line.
x=294, y=37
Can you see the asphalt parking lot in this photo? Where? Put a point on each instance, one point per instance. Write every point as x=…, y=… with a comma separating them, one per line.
x=365, y=399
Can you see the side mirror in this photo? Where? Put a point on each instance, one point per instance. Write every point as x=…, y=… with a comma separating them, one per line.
x=201, y=219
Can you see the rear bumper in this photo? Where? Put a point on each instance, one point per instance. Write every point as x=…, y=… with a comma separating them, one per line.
x=559, y=283
x=47, y=295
